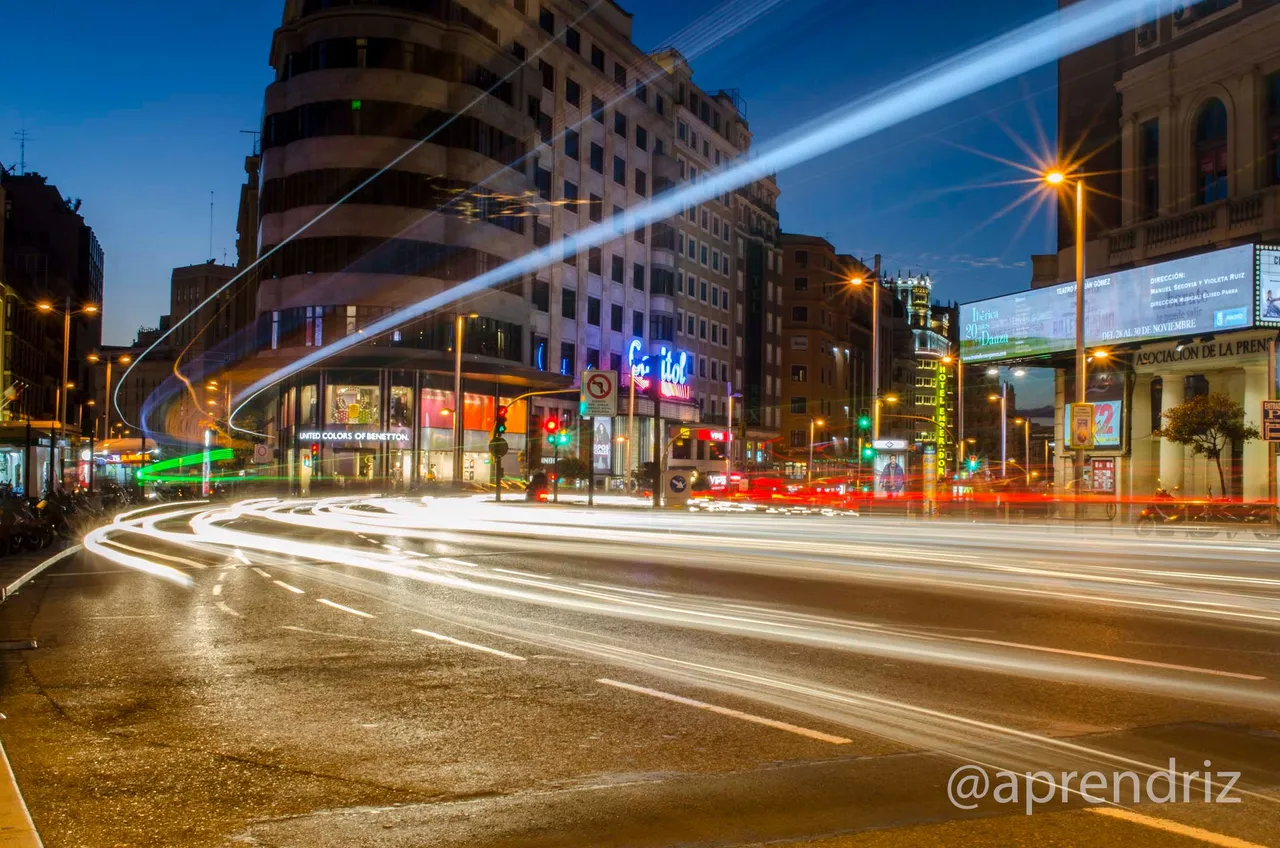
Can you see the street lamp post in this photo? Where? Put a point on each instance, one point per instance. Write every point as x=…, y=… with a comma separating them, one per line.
x=1057, y=178
x=728, y=456
x=812, y=423
x=875, y=344
x=1026, y=445
x=60, y=400
x=875, y=425
x=1004, y=425
x=458, y=416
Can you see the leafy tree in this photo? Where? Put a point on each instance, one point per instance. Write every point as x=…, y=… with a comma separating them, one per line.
x=645, y=475
x=1208, y=424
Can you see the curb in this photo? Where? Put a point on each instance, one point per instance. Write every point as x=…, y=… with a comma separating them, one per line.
x=17, y=830
x=30, y=575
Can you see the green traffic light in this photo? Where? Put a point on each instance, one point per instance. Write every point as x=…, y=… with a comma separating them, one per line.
x=868, y=453
x=864, y=423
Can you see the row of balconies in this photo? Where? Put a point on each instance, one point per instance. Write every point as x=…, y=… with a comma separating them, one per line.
x=1226, y=221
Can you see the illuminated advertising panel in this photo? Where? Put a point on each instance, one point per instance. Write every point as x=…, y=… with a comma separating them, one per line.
x=1106, y=422
x=1268, y=306
x=1211, y=292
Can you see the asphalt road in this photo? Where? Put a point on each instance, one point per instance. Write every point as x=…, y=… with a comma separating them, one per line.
x=459, y=674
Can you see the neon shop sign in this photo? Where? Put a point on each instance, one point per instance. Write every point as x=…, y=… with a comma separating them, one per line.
x=672, y=368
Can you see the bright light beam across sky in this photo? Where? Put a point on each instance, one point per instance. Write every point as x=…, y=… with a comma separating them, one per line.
x=1045, y=40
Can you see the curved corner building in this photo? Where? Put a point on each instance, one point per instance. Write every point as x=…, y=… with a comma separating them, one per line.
x=540, y=118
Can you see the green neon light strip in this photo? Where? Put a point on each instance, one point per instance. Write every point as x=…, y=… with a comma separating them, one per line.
x=153, y=472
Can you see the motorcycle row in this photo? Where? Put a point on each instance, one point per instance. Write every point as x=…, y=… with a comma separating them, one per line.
x=1208, y=518
x=31, y=524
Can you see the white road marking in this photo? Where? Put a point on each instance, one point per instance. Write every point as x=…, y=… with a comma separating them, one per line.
x=261, y=572
x=521, y=573
x=725, y=711
x=217, y=590
x=461, y=562
x=283, y=585
x=239, y=554
x=222, y=606
x=1109, y=658
x=330, y=603
x=621, y=589
x=338, y=635
x=471, y=645
x=1201, y=834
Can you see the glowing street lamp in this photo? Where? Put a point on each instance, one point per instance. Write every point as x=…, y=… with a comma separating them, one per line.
x=1026, y=445
x=1057, y=178
x=875, y=339
x=812, y=423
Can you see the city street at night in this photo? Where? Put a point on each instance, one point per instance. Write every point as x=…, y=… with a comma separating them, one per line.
x=400, y=672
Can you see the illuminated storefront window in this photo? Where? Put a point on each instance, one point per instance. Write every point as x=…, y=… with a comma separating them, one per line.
x=348, y=405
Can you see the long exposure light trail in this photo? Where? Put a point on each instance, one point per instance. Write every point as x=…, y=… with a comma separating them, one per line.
x=833, y=553
x=1035, y=44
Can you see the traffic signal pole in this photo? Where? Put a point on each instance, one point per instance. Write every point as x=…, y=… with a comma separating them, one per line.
x=591, y=463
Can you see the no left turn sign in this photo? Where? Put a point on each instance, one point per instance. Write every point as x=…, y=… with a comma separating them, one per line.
x=599, y=394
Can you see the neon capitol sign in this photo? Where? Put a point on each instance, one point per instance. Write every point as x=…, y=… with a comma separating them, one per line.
x=673, y=371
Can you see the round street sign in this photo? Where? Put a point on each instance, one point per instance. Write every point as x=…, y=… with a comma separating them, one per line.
x=600, y=386
x=498, y=447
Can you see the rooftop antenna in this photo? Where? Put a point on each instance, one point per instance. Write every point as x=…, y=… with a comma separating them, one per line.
x=210, y=254
x=22, y=135
x=257, y=141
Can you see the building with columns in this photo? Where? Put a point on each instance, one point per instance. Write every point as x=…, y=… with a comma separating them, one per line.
x=1177, y=125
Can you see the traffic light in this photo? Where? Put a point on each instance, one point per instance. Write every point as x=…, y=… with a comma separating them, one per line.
x=552, y=427
x=315, y=451
x=973, y=463
x=562, y=437
x=499, y=422
x=864, y=421
x=868, y=452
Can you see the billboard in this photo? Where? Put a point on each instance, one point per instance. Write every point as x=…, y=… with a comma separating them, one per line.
x=1211, y=292
x=1268, y=306
x=1106, y=422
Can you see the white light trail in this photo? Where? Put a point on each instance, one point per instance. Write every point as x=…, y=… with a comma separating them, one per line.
x=1069, y=29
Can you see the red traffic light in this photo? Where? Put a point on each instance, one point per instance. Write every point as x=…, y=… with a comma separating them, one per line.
x=502, y=412
x=551, y=425
x=315, y=448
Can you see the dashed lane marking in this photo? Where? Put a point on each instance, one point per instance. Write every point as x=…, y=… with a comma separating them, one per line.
x=337, y=606
x=725, y=711
x=461, y=644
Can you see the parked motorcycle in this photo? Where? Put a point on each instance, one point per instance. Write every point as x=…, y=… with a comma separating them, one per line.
x=1206, y=519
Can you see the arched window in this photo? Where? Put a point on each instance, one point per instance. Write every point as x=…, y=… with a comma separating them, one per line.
x=1211, y=152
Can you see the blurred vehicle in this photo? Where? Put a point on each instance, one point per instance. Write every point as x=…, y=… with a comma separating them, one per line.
x=538, y=488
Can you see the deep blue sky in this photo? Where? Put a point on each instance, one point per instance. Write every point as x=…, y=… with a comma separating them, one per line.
x=137, y=108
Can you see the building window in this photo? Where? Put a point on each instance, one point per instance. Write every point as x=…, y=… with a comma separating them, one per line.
x=539, y=349
x=637, y=324
x=620, y=74
x=1149, y=167
x=548, y=76
x=542, y=295
x=597, y=59
x=642, y=183
x=568, y=358
x=642, y=92
x=615, y=317
x=619, y=171
x=547, y=20
x=572, y=92
x=799, y=374
x=799, y=405
x=572, y=142
x=593, y=260
x=682, y=130
x=620, y=124
x=596, y=208
x=637, y=277
x=660, y=105
x=1211, y=152
x=573, y=39
x=800, y=313
x=617, y=270
x=662, y=328
x=568, y=303
x=593, y=311
x=570, y=196
x=798, y=438
x=802, y=283
x=702, y=328
x=642, y=138
x=597, y=109
x=597, y=158
x=802, y=259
